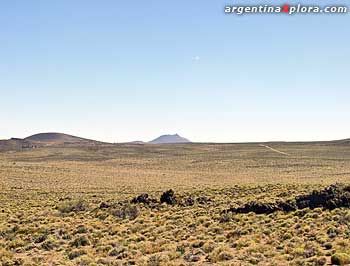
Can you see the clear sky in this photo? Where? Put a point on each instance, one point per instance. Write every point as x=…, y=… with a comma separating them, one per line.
x=132, y=70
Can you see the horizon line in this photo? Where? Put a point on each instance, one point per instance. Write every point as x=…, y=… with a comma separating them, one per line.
x=190, y=142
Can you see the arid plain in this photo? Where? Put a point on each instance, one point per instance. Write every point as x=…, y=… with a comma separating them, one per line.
x=71, y=205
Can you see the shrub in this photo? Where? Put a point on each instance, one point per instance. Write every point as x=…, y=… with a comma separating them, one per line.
x=76, y=253
x=85, y=261
x=80, y=241
x=320, y=261
x=158, y=260
x=181, y=249
x=16, y=243
x=208, y=247
x=81, y=229
x=220, y=254
x=340, y=259
x=72, y=206
x=48, y=245
x=119, y=253
x=41, y=238
x=130, y=212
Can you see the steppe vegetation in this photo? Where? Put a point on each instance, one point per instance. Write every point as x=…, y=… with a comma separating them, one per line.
x=74, y=205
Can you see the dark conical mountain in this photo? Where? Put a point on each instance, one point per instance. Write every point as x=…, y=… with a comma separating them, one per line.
x=169, y=139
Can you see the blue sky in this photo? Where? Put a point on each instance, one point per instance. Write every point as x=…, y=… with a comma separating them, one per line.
x=132, y=70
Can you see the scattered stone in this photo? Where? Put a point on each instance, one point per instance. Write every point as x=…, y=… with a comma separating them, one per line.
x=257, y=207
x=328, y=245
x=104, y=205
x=168, y=197
x=143, y=198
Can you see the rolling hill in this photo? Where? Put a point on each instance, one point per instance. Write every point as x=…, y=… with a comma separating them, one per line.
x=58, y=139
x=341, y=142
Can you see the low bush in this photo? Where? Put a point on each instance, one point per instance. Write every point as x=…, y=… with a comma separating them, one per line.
x=72, y=206
x=130, y=212
x=340, y=259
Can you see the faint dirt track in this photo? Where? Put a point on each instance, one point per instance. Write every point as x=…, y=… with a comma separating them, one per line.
x=272, y=149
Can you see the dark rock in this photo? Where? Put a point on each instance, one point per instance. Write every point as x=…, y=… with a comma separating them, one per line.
x=257, y=207
x=143, y=198
x=287, y=206
x=190, y=201
x=334, y=196
x=328, y=245
x=329, y=198
x=104, y=205
x=168, y=197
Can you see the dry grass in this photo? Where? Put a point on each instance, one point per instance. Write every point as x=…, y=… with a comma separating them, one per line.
x=50, y=205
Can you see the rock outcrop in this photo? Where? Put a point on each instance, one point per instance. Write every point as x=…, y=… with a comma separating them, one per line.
x=334, y=196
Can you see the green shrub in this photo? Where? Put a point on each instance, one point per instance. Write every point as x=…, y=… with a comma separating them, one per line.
x=340, y=259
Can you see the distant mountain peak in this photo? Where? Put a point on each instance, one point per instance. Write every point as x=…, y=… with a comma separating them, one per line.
x=169, y=139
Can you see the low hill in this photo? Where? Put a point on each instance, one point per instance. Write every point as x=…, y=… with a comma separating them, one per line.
x=169, y=139
x=340, y=142
x=138, y=142
x=57, y=139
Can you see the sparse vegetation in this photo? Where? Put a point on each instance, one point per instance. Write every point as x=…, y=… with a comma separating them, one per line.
x=75, y=206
